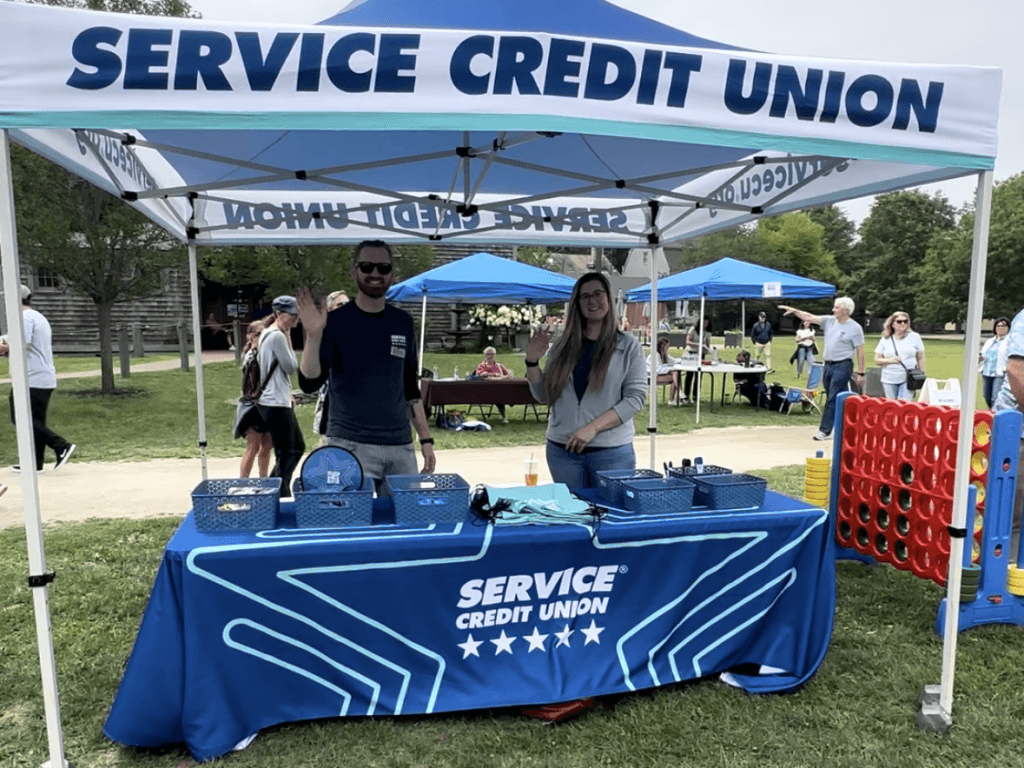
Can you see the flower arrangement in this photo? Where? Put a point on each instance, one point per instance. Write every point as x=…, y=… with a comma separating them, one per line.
x=487, y=315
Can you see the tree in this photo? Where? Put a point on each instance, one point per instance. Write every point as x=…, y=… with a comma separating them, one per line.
x=175, y=8
x=736, y=242
x=99, y=245
x=280, y=269
x=839, y=234
x=794, y=243
x=944, y=276
x=894, y=239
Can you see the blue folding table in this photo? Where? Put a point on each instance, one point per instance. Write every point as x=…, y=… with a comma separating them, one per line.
x=246, y=630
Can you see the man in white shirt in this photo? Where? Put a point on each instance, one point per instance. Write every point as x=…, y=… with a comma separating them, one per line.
x=42, y=380
x=844, y=340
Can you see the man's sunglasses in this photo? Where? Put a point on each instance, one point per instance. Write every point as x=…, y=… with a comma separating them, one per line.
x=366, y=267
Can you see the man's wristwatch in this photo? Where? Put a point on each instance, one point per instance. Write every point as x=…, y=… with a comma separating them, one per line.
x=530, y=364
x=426, y=440
x=860, y=373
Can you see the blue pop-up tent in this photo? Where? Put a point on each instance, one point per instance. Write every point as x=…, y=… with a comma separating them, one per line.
x=574, y=123
x=731, y=279
x=734, y=279
x=482, y=278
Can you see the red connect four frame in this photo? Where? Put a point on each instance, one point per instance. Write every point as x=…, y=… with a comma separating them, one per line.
x=897, y=461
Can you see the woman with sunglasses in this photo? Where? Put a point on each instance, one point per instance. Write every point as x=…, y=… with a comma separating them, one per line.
x=899, y=350
x=993, y=360
x=594, y=382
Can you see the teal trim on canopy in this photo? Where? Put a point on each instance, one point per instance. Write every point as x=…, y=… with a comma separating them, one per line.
x=417, y=121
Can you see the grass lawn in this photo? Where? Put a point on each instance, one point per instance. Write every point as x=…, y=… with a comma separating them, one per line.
x=859, y=711
x=80, y=363
x=158, y=419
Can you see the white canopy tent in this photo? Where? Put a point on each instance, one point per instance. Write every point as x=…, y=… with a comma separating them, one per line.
x=519, y=121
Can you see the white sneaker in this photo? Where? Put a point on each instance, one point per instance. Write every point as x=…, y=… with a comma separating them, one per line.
x=62, y=458
x=822, y=436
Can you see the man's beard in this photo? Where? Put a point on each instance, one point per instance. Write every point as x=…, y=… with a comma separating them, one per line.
x=373, y=290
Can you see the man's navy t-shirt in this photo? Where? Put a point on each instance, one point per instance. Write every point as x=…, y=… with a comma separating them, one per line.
x=371, y=359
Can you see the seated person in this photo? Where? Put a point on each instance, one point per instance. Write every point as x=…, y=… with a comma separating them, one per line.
x=489, y=369
x=663, y=362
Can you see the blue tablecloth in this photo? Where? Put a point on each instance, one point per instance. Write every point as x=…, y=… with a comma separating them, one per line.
x=243, y=631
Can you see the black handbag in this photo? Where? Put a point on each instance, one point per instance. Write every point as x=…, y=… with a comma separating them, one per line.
x=915, y=376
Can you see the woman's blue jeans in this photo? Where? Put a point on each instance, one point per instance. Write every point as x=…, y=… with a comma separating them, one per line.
x=576, y=470
x=803, y=354
x=897, y=391
x=990, y=386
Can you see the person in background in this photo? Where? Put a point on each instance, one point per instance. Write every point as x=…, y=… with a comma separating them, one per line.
x=42, y=380
x=594, y=383
x=761, y=334
x=491, y=369
x=663, y=363
x=993, y=360
x=248, y=422
x=804, y=346
x=334, y=300
x=844, y=340
x=698, y=344
x=214, y=330
x=275, y=404
x=899, y=350
x=1011, y=397
x=366, y=351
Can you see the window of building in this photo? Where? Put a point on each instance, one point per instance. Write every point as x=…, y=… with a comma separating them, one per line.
x=47, y=279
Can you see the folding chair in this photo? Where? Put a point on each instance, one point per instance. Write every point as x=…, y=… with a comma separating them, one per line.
x=663, y=380
x=806, y=395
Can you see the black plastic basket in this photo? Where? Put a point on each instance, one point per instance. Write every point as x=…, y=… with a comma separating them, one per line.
x=427, y=499
x=729, y=491
x=238, y=504
x=707, y=469
x=609, y=482
x=334, y=509
x=655, y=496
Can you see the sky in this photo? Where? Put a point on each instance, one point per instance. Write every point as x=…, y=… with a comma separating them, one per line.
x=983, y=33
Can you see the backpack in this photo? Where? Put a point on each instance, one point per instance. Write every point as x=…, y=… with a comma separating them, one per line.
x=450, y=420
x=252, y=384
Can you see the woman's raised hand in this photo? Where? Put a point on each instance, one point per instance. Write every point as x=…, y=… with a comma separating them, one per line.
x=540, y=339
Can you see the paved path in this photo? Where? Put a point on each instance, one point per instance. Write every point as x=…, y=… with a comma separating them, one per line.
x=83, y=490
x=216, y=356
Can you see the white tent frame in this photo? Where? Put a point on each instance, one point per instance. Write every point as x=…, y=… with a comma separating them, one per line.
x=168, y=202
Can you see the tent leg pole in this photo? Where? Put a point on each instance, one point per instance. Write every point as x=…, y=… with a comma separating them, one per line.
x=193, y=276
x=423, y=331
x=652, y=375
x=743, y=323
x=928, y=717
x=26, y=454
x=700, y=357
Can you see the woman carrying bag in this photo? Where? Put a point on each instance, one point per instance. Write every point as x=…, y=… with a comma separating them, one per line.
x=900, y=352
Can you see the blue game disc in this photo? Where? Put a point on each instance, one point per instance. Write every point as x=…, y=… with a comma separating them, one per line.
x=330, y=468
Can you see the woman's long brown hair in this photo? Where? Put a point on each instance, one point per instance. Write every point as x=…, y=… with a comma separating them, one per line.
x=567, y=350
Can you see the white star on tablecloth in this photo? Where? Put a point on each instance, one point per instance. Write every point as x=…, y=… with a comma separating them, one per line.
x=536, y=641
x=592, y=633
x=563, y=637
x=503, y=643
x=470, y=647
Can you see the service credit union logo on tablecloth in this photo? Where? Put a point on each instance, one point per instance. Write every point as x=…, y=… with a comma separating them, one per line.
x=534, y=599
